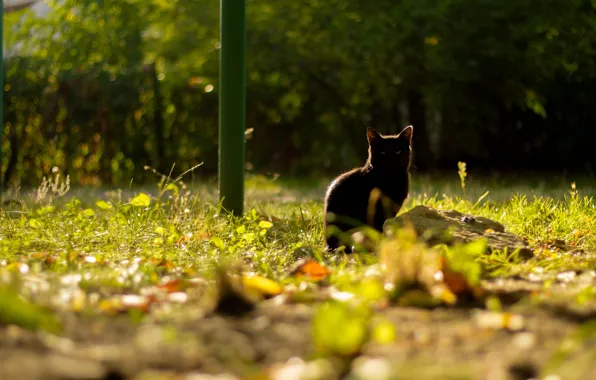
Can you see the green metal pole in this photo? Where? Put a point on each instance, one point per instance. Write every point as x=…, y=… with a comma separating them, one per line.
x=232, y=104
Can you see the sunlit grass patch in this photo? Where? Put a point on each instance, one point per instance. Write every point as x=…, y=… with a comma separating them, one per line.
x=156, y=254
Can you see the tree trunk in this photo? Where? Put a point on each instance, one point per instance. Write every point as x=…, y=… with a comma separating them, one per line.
x=423, y=159
x=158, y=122
x=14, y=156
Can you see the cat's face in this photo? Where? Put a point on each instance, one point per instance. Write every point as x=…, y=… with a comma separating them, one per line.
x=390, y=152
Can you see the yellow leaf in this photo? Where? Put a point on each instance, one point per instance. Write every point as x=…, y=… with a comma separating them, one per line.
x=141, y=200
x=103, y=205
x=384, y=332
x=172, y=187
x=261, y=285
x=265, y=224
x=35, y=223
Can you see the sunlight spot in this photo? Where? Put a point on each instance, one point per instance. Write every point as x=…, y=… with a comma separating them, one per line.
x=178, y=297
x=71, y=279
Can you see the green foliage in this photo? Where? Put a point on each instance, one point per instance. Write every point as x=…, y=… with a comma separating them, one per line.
x=340, y=329
x=464, y=259
x=153, y=252
x=15, y=310
x=102, y=90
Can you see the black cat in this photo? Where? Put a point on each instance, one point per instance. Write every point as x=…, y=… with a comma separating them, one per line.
x=373, y=193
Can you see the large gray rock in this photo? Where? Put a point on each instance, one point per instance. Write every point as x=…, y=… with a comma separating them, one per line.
x=433, y=225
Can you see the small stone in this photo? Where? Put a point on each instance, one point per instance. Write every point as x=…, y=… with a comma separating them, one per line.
x=371, y=368
x=568, y=276
x=524, y=340
x=295, y=368
x=496, y=320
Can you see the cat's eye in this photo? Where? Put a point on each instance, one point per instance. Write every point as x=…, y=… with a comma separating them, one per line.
x=398, y=152
x=382, y=152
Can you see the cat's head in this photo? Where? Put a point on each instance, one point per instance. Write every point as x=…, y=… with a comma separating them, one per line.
x=391, y=151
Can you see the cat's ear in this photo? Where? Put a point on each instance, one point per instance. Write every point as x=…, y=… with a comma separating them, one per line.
x=407, y=133
x=372, y=135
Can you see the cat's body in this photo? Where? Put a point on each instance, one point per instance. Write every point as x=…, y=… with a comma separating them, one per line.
x=373, y=193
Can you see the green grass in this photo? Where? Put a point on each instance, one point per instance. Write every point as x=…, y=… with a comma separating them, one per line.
x=75, y=249
x=97, y=233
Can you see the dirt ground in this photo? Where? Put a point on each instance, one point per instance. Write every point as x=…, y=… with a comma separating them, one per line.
x=185, y=343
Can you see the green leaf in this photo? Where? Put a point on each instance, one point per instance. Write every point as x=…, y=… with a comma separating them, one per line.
x=384, y=332
x=476, y=248
x=265, y=224
x=87, y=213
x=35, y=223
x=141, y=200
x=339, y=328
x=16, y=310
x=249, y=237
x=172, y=187
x=218, y=242
x=103, y=205
x=45, y=210
x=240, y=230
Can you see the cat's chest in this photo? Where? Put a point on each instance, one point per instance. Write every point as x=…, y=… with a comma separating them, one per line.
x=394, y=185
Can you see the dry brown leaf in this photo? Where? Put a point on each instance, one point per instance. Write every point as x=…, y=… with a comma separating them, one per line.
x=456, y=282
x=126, y=302
x=173, y=286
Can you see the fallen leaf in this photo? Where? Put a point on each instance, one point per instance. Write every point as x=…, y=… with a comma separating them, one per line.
x=233, y=302
x=184, y=239
x=162, y=263
x=498, y=320
x=141, y=200
x=18, y=267
x=78, y=301
x=340, y=329
x=103, y=205
x=16, y=310
x=384, y=332
x=264, y=286
x=44, y=257
x=457, y=284
x=265, y=224
x=311, y=269
x=341, y=296
x=173, y=286
x=232, y=299
x=126, y=302
x=444, y=294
